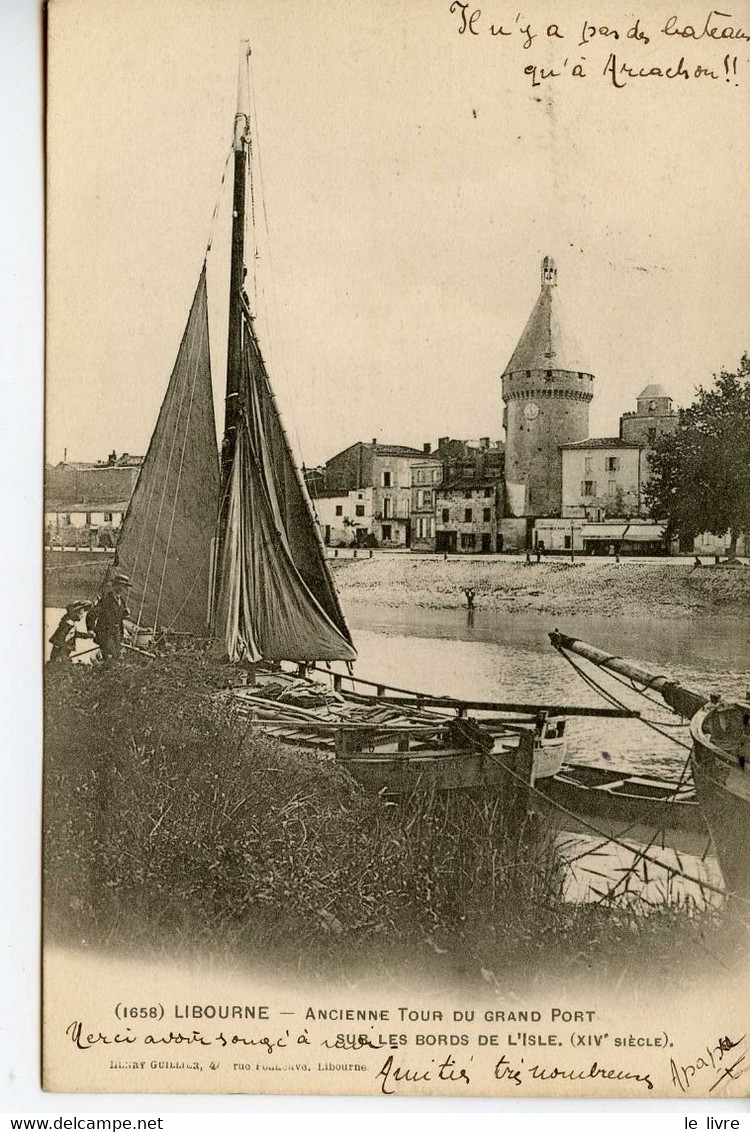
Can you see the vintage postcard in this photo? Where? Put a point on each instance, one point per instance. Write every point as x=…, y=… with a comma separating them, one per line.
x=396, y=548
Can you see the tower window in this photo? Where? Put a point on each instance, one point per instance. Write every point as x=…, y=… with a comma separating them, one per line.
x=467, y=514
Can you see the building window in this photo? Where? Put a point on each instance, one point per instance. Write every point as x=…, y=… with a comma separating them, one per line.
x=651, y=434
x=66, y=520
x=386, y=479
x=428, y=527
x=567, y=537
x=107, y=516
x=386, y=534
x=587, y=464
x=487, y=514
x=588, y=487
x=88, y=518
x=468, y=542
x=611, y=487
x=387, y=507
x=467, y=514
x=487, y=492
x=359, y=510
x=446, y=515
x=339, y=509
x=612, y=464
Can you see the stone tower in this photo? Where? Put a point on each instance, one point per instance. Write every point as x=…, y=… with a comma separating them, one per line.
x=547, y=391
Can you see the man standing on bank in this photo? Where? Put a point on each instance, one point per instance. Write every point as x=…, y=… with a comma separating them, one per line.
x=107, y=616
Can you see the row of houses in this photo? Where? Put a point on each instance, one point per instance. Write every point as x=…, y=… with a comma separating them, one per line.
x=85, y=503
x=450, y=499
x=455, y=498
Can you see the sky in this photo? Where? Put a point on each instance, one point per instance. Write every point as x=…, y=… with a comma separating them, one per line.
x=411, y=179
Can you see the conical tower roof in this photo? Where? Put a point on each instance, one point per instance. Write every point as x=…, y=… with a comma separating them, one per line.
x=546, y=342
x=653, y=390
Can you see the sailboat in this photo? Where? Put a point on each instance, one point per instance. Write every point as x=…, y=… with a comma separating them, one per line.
x=719, y=757
x=225, y=546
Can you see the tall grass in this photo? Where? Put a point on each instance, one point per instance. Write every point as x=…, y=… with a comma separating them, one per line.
x=169, y=824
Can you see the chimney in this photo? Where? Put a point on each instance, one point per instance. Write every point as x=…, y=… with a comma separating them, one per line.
x=374, y=441
x=442, y=440
x=426, y=448
x=484, y=442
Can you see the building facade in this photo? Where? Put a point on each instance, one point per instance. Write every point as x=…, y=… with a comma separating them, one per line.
x=346, y=520
x=547, y=390
x=426, y=477
x=468, y=512
x=85, y=504
x=386, y=470
x=601, y=477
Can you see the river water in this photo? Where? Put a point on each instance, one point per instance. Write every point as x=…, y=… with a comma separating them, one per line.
x=508, y=657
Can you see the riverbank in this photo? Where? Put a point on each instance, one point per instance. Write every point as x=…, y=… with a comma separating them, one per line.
x=74, y=575
x=632, y=588
x=172, y=827
x=641, y=588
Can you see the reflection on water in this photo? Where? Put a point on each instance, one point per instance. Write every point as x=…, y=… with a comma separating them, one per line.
x=508, y=657
x=599, y=870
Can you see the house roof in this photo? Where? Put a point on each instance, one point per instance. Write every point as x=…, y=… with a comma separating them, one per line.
x=653, y=390
x=546, y=342
x=380, y=450
x=602, y=442
x=468, y=483
x=397, y=450
x=81, y=508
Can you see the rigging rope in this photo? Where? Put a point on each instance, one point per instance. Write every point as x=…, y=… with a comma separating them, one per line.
x=277, y=363
x=215, y=212
x=589, y=680
x=209, y=244
x=615, y=840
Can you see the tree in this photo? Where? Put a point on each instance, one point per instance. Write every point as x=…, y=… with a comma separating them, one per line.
x=700, y=474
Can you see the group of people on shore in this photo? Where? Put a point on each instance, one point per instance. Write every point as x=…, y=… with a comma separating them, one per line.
x=104, y=622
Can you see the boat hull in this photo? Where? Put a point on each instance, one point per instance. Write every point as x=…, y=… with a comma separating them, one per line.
x=427, y=771
x=721, y=738
x=604, y=793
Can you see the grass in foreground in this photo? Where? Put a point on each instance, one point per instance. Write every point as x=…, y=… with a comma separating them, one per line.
x=168, y=825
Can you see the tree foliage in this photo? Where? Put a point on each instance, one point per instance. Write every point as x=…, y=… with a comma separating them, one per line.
x=700, y=474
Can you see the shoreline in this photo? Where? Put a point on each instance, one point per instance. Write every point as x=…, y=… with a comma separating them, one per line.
x=636, y=588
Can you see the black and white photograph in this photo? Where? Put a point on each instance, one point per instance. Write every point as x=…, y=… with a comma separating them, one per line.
x=397, y=549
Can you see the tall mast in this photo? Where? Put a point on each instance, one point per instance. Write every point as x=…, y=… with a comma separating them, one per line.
x=234, y=344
